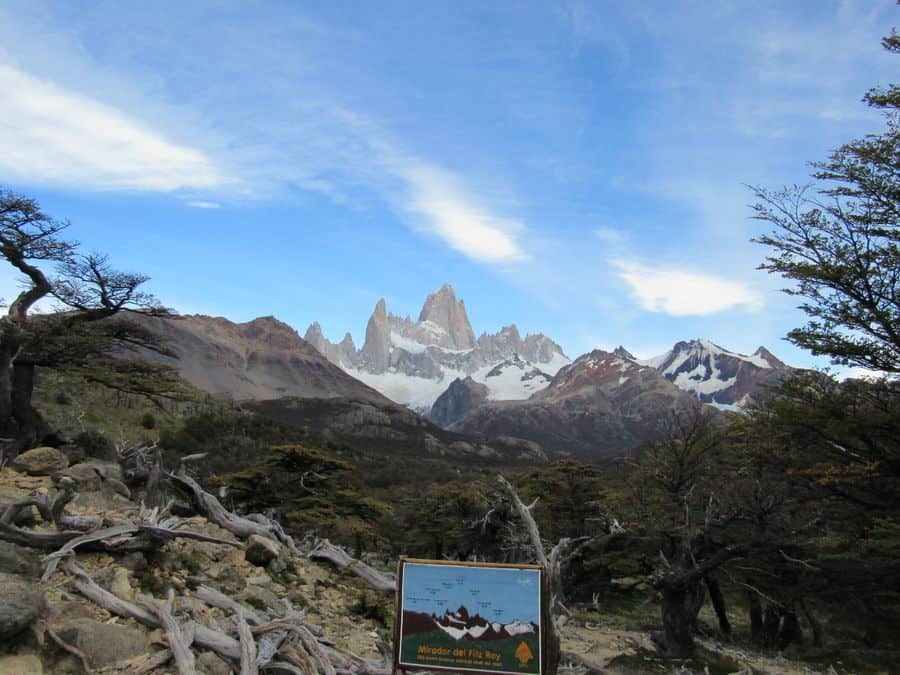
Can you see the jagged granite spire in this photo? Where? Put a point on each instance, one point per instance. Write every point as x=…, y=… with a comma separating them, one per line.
x=443, y=309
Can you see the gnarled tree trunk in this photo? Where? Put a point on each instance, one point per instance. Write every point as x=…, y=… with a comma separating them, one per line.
x=678, y=617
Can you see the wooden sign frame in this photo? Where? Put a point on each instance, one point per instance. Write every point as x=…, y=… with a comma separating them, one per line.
x=544, y=613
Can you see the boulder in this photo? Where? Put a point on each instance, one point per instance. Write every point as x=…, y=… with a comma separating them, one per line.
x=261, y=550
x=73, y=452
x=41, y=461
x=120, y=584
x=136, y=562
x=108, y=469
x=117, y=487
x=105, y=643
x=20, y=604
x=25, y=664
x=15, y=559
x=86, y=477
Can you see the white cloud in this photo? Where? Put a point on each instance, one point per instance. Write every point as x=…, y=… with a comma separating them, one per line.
x=453, y=215
x=440, y=201
x=53, y=135
x=679, y=292
x=204, y=205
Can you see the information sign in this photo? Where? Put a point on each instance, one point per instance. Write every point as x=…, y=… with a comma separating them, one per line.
x=470, y=617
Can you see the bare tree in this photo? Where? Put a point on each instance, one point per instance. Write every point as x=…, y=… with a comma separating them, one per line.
x=83, y=330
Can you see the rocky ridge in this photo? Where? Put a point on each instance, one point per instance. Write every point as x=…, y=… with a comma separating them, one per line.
x=261, y=359
x=716, y=375
x=599, y=405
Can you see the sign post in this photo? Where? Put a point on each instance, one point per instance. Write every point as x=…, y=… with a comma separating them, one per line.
x=471, y=618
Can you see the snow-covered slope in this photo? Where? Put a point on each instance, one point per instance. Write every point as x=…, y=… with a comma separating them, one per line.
x=414, y=362
x=716, y=375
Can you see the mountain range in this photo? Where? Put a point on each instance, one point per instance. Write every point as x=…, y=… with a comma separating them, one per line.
x=497, y=396
x=413, y=362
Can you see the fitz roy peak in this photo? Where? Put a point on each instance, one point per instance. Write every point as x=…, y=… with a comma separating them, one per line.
x=414, y=362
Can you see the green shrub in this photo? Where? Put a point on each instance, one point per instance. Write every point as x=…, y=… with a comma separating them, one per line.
x=148, y=421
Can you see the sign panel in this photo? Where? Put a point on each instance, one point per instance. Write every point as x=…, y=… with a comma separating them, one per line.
x=470, y=617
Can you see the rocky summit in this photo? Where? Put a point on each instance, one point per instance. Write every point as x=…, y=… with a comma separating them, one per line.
x=413, y=362
x=716, y=375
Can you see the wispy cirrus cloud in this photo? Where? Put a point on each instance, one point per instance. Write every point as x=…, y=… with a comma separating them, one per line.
x=429, y=197
x=51, y=134
x=683, y=292
x=454, y=216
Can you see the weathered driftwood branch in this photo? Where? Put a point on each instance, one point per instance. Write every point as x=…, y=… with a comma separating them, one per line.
x=210, y=507
x=248, y=645
x=179, y=644
x=50, y=510
x=214, y=598
x=204, y=637
x=150, y=663
x=531, y=528
x=65, y=646
x=537, y=544
x=69, y=547
x=297, y=656
x=330, y=553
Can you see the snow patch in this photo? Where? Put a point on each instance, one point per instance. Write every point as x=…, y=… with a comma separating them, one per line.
x=516, y=382
x=418, y=393
x=406, y=343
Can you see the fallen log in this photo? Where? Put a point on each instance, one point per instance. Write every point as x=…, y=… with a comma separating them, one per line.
x=330, y=553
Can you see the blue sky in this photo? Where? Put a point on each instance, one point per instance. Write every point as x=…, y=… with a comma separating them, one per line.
x=497, y=594
x=578, y=168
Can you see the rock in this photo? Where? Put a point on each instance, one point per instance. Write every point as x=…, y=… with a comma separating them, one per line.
x=20, y=604
x=209, y=663
x=135, y=562
x=85, y=476
x=120, y=584
x=104, y=501
x=26, y=664
x=73, y=453
x=259, y=596
x=108, y=469
x=231, y=580
x=41, y=461
x=458, y=399
x=19, y=560
x=118, y=487
x=105, y=643
x=261, y=550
